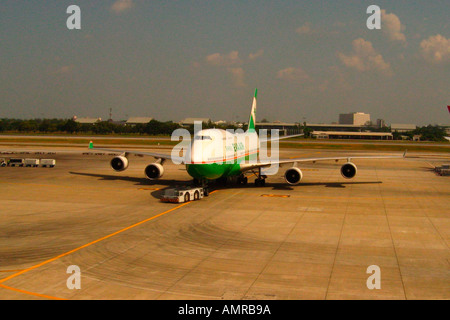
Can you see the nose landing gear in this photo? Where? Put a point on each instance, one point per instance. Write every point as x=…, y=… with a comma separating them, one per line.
x=204, y=184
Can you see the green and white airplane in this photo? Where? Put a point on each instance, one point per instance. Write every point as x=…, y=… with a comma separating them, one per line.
x=219, y=154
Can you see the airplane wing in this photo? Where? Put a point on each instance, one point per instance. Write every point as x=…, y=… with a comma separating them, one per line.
x=143, y=153
x=294, y=161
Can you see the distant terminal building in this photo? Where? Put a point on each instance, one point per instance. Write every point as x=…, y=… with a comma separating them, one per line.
x=190, y=121
x=132, y=121
x=354, y=118
x=381, y=123
x=220, y=122
x=86, y=120
x=335, y=127
x=352, y=135
x=285, y=128
x=402, y=127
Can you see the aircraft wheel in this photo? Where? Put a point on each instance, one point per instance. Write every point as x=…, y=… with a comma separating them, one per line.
x=260, y=182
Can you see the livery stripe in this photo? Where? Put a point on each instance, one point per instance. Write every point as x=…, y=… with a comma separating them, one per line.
x=225, y=160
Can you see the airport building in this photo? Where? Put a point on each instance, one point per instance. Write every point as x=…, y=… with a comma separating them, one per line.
x=352, y=135
x=381, y=123
x=402, y=127
x=354, y=118
x=86, y=120
x=132, y=121
x=283, y=127
x=335, y=127
x=190, y=121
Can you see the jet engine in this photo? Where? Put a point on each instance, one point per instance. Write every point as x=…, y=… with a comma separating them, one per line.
x=119, y=163
x=293, y=176
x=154, y=171
x=348, y=170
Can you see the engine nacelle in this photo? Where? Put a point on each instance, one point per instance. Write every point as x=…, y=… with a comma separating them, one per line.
x=154, y=171
x=119, y=163
x=348, y=170
x=293, y=176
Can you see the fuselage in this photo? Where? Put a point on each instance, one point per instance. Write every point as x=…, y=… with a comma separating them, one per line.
x=216, y=153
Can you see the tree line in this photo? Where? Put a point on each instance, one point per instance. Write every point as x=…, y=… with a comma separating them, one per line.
x=155, y=127
x=42, y=126
x=426, y=133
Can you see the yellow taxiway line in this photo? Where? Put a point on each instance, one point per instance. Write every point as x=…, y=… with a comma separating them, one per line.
x=20, y=272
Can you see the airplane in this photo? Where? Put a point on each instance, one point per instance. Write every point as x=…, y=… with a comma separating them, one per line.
x=216, y=154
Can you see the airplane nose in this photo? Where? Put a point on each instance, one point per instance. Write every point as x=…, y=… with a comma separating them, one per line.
x=195, y=152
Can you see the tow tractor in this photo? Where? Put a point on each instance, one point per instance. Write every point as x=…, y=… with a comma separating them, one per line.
x=183, y=194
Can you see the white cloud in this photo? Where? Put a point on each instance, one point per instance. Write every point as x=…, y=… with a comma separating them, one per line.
x=292, y=74
x=238, y=76
x=122, y=5
x=224, y=60
x=391, y=25
x=255, y=55
x=305, y=29
x=436, y=49
x=365, y=58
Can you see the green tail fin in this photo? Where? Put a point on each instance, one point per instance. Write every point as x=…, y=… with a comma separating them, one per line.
x=91, y=145
x=252, y=119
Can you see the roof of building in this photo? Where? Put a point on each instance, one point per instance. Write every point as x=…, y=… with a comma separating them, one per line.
x=88, y=120
x=331, y=125
x=276, y=124
x=192, y=120
x=134, y=120
x=349, y=133
x=403, y=126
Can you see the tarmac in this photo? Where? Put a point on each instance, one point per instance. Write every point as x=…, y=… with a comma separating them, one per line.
x=315, y=240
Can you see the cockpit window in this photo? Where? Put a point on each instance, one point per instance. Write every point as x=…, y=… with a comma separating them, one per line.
x=203, y=138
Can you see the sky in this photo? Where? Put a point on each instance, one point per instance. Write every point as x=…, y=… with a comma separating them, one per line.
x=310, y=60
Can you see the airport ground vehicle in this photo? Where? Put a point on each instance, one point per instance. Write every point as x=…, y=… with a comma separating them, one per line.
x=16, y=162
x=48, y=163
x=31, y=163
x=183, y=194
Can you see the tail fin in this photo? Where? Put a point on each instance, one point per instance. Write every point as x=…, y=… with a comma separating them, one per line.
x=252, y=119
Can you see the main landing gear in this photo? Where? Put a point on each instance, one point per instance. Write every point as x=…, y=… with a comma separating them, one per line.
x=260, y=182
x=261, y=179
x=242, y=180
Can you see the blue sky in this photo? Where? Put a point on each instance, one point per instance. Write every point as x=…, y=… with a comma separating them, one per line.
x=310, y=60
